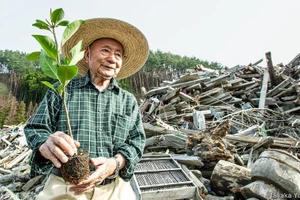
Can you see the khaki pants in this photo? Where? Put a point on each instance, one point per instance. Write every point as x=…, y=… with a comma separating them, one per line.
x=57, y=189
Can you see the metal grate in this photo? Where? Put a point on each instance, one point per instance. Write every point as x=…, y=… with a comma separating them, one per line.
x=161, y=177
x=155, y=165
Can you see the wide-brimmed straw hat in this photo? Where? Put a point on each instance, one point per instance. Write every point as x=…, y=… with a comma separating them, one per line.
x=134, y=42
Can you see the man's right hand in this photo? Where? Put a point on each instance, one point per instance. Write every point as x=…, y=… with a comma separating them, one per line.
x=57, y=147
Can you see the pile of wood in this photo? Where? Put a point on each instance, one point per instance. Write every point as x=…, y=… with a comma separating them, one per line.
x=221, y=123
x=15, y=181
x=234, y=131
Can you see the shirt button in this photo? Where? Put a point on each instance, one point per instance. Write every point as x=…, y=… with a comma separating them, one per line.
x=99, y=110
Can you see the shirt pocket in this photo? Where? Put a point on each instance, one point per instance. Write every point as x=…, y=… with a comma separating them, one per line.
x=120, y=127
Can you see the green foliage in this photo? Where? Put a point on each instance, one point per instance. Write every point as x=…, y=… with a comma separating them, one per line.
x=161, y=61
x=125, y=84
x=64, y=70
x=3, y=88
x=15, y=62
x=8, y=107
x=34, y=55
x=70, y=30
x=57, y=15
x=48, y=45
x=3, y=114
x=32, y=88
x=20, y=113
x=49, y=57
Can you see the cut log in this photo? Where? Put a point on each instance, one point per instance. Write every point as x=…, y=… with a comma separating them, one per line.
x=262, y=190
x=228, y=178
x=278, y=168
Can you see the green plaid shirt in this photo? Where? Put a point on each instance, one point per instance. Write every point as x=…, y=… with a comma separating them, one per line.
x=105, y=123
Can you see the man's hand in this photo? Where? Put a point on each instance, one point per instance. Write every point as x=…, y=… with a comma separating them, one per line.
x=104, y=168
x=57, y=146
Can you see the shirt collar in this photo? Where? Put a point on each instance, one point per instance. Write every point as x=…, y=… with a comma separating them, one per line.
x=85, y=80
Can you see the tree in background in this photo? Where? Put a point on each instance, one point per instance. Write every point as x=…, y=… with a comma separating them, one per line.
x=20, y=113
x=3, y=115
x=8, y=108
x=162, y=66
x=15, y=62
x=32, y=88
x=25, y=77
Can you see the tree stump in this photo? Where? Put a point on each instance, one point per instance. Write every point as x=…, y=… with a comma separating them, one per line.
x=228, y=178
x=279, y=168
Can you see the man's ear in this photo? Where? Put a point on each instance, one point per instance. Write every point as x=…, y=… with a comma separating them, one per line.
x=86, y=55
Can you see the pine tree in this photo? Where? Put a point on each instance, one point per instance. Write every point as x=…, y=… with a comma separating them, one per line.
x=20, y=113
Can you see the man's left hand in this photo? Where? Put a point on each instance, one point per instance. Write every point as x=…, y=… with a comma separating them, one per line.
x=104, y=168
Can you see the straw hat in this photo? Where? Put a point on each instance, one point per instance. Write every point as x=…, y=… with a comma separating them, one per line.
x=135, y=44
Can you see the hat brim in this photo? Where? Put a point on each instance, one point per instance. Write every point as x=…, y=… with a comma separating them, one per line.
x=136, y=48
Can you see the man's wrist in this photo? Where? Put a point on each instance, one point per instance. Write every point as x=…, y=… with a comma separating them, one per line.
x=116, y=173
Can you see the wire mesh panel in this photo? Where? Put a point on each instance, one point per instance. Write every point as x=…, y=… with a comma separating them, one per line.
x=161, y=177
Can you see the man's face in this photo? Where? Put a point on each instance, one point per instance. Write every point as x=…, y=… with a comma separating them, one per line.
x=105, y=57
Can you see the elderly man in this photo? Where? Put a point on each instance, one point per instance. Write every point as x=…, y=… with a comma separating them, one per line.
x=105, y=119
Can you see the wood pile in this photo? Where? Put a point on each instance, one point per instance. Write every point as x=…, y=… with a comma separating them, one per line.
x=221, y=123
x=15, y=181
x=235, y=132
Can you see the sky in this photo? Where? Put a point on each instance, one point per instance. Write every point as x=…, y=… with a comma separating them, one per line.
x=230, y=32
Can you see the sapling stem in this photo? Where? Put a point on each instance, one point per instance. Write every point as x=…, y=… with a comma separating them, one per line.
x=67, y=114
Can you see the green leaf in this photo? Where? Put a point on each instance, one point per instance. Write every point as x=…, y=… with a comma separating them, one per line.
x=41, y=25
x=57, y=15
x=48, y=65
x=60, y=90
x=34, y=56
x=70, y=30
x=76, y=49
x=66, y=73
x=76, y=58
x=76, y=53
x=63, y=23
x=49, y=85
x=66, y=61
x=48, y=45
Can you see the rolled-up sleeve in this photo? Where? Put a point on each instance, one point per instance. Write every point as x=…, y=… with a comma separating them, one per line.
x=133, y=147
